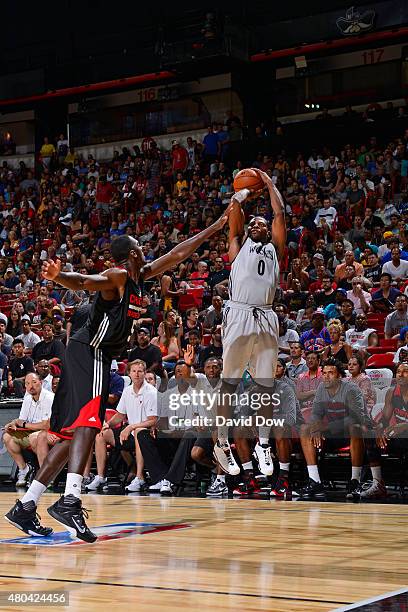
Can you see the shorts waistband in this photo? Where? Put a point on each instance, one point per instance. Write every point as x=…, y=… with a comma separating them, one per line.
x=250, y=307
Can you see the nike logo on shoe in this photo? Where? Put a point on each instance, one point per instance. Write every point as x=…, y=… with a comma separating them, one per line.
x=80, y=529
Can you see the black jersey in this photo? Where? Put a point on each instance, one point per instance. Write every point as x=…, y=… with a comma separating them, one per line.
x=110, y=322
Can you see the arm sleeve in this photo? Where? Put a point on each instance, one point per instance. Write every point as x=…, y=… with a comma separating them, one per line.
x=25, y=407
x=121, y=407
x=151, y=404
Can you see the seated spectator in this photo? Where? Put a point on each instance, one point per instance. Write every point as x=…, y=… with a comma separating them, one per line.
x=348, y=316
x=25, y=283
x=338, y=349
x=285, y=339
x=59, y=331
x=145, y=351
x=361, y=299
x=361, y=336
x=334, y=428
x=49, y=348
x=19, y=366
x=14, y=327
x=29, y=338
x=214, y=349
x=397, y=319
x=307, y=384
x=296, y=364
x=373, y=270
x=219, y=274
x=349, y=260
x=300, y=274
x=7, y=338
x=397, y=267
x=34, y=416
x=191, y=323
x=326, y=295
x=316, y=338
x=347, y=282
x=383, y=300
x=213, y=315
x=11, y=280
x=43, y=370
x=138, y=403
x=356, y=367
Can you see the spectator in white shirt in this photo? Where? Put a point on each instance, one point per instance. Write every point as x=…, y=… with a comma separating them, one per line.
x=361, y=299
x=34, y=417
x=328, y=212
x=397, y=267
x=29, y=338
x=25, y=283
x=138, y=404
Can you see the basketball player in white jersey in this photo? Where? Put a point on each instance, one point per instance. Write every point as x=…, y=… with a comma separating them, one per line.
x=250, y=326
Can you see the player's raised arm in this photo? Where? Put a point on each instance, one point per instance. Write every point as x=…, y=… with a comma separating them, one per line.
x=236, y=223
x=183, y=250
x=278, y=207
x=109, y=281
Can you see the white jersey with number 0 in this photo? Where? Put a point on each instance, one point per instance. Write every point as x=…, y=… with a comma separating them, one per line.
x=254, y=274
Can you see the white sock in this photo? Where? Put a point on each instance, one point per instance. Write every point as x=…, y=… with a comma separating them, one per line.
x=313, y=472
x=284, y=466
x=356, y=473
x=248, y=465
x=223, y=434
x=376, y=472
x=221, y=477
x=34, y=492
x=24, y=470
x=73, y=485
x=263, y=435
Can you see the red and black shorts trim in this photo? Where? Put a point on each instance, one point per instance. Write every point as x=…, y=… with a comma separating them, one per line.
x=82, y=393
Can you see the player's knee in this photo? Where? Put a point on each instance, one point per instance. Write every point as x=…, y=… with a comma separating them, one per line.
x=142, y=434
x=197, y=454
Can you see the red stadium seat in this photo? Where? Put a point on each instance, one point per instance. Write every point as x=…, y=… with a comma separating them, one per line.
x=384, y=360
x=389, y=344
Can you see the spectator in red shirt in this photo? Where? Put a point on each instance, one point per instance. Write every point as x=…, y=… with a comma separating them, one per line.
x=104, y=195
x=179, y=158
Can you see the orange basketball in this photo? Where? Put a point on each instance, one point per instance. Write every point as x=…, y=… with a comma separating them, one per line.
x=247, y=179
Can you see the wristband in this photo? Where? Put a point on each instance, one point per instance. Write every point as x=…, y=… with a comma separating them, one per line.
x=241, y=196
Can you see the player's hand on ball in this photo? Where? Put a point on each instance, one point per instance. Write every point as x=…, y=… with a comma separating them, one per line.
x=51, y=269
x=265, y=178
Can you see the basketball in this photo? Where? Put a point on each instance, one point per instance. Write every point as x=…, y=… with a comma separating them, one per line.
x=248, y=179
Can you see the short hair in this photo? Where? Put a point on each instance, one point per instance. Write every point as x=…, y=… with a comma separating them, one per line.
x=17, y=341
x=387, y=275
x=335, y=363
x=121, y=247
x=136, y=362
x=190, y=310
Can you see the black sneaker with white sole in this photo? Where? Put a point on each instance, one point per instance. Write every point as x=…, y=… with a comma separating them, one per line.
x=313, y=490
x=26, y=519
x=69, y=512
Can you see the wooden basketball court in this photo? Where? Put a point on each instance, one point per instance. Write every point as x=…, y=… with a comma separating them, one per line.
x=215, y=554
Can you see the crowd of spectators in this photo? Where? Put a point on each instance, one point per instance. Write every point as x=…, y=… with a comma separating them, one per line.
x=344, y=276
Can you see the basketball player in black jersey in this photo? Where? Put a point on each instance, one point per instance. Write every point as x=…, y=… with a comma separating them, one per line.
x=79, y=405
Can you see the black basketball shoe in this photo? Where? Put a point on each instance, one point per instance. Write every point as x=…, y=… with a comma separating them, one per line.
x=27, y=519
x=313, y=490
x=69, y=512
